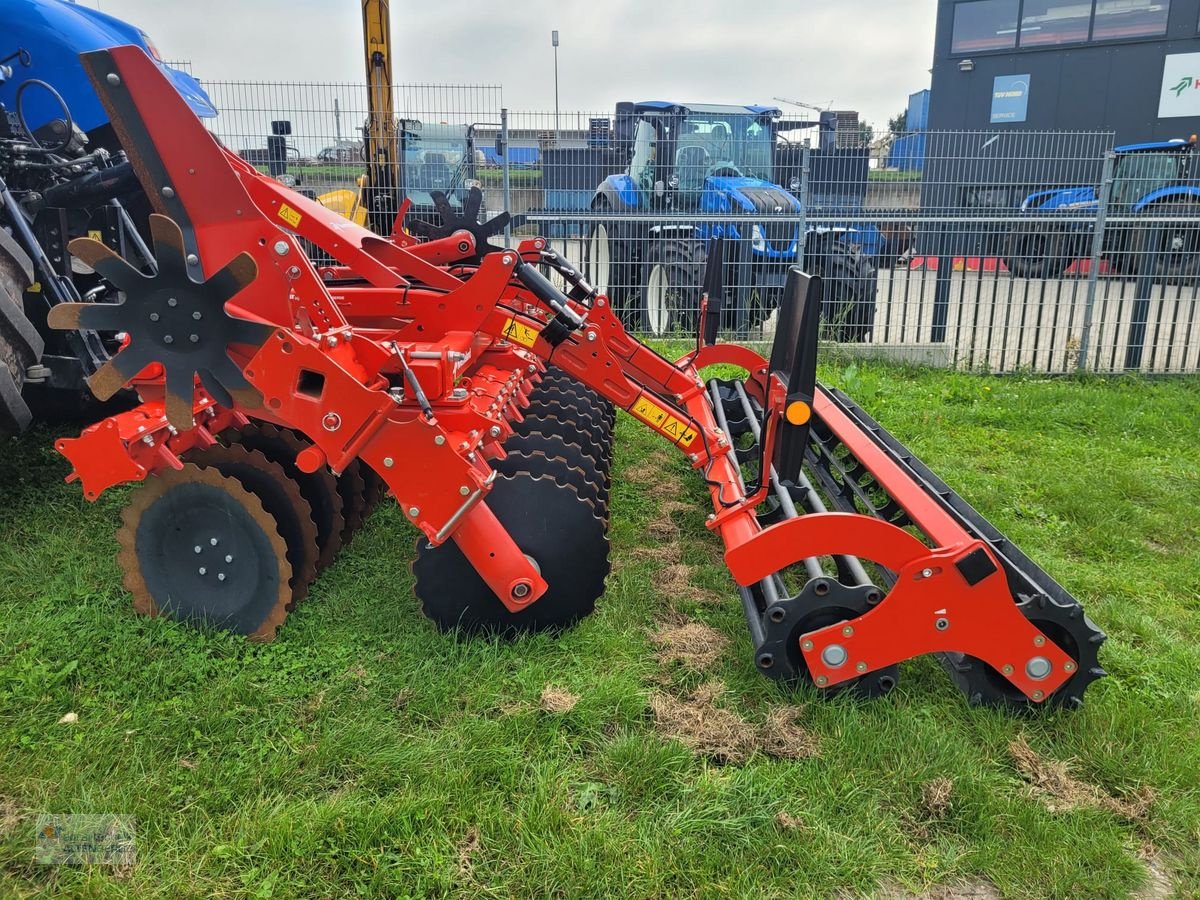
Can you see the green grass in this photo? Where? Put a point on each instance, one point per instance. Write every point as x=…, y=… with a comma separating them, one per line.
x=364, y=753
x=892, y=175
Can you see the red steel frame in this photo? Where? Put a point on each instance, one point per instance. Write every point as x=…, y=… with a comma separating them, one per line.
x=475, y=342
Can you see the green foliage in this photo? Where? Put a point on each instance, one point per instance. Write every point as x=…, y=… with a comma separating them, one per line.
x=363, y=753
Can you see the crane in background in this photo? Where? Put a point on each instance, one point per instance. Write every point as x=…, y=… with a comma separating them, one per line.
x=379, y=135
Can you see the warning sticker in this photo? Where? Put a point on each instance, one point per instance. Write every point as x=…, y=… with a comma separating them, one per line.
x=663, y=422
x=96, y=235
x=289, y=215
x=520, y=333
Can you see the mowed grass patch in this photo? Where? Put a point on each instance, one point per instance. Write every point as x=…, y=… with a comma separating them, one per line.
x=363, y=752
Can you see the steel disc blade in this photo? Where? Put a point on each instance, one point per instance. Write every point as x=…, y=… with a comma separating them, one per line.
x=552, y=525
x=176, y=533
x=540, y=464
x=318, y=488
x=280, y=496
x=353, y=488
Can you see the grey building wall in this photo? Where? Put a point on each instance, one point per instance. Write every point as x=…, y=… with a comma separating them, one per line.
x=1100, y=86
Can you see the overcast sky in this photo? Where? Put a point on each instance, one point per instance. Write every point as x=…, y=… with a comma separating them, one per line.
x=867, y=55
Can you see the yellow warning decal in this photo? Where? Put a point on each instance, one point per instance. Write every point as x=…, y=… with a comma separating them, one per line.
x=96, y=235
x=662, y=421
x=520, y=333
x=289, y=215
x=35, y=288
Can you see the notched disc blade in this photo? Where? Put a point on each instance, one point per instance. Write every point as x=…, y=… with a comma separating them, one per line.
x=198, y=547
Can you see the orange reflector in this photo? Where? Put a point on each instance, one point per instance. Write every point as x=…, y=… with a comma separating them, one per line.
x=798, y=412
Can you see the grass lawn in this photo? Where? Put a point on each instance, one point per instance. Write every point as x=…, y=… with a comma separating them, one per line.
x=364, y=753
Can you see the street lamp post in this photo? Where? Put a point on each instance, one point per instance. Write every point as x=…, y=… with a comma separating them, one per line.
x=554, y=43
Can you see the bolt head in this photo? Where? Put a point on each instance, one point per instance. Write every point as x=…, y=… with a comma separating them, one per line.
x=168, y=339
x=113, y=78
x=212, y=542
x=332, y=340
x=1039, y=641
x=1038, y=695
x=1038, y=668
x=228, y=557
x=281, y=248
x=194, y=338
x=168, y=191
x=193, y=259
x=1069, y=667
x=848, y=630
x=834, y=656
x=860, y=667
x=197, y=316
x=439, y=439
x=806, y=645
x=822, y=681
x=197, y=548
x=414, y=511
x=172, y=302
x=941, y=624
x=927, y=573
x=521, y=590
x=388, y=462
x=494, y=431
x=202, y=570
x=464, y=490
x=1007, y=670
x=154, y=317
x=220, y=576
x=331, y=421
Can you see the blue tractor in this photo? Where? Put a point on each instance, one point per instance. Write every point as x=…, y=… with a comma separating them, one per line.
x=62, y=175
x=713, y=159
x=1157, y=179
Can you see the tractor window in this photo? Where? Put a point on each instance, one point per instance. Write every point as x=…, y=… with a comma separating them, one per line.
x=709, y=142
x=435, y=161
x=1140, y=173
x=641, y=167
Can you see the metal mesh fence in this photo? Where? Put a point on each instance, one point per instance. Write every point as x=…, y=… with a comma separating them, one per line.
x=998, y=250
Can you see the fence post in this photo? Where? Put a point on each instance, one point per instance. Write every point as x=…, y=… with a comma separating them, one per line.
x=1106, y=186
x=506, y=184
x=802, y=238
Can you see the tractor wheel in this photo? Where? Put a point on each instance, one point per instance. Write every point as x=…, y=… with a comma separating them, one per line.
x=1175, y=246
x=671, y=281
x=1031, y=250
x=848, y=305
x=554, y=526
x=607, y=263
x=20, y=348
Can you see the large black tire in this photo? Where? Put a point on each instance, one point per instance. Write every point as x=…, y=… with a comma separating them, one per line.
x=672, y=276
x=850, y=286
x=608, y=260
x=20, y=347
x=1035, y=250
x=1174, y=246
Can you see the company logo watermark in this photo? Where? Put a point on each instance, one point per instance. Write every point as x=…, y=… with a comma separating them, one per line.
x=85, y=840
x=1186, y=83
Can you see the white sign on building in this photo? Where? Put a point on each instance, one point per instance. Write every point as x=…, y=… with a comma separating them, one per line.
x=1180, y=86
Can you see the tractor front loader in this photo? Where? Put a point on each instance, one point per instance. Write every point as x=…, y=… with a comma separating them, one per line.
x=281, y=401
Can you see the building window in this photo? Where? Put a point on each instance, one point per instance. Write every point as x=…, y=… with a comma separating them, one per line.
x=1129, y=19
x=1048, y=22
x=984, y=25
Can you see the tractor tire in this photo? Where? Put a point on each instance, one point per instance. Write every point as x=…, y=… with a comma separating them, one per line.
x=672, y=277
x=1031, y=250
x=1175, y=246
x=607, y=261
x=848, y=304
x=20, y=346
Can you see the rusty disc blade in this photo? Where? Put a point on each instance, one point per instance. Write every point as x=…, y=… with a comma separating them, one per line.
x=353, y=488
x=319, y=488
x=280, y=496
x=199, y=548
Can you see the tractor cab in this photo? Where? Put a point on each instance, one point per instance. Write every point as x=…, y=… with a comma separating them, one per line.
x=1144, y=170
x=702, y=156
x=435, y=157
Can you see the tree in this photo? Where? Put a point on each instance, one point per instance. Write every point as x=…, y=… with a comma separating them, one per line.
x=866, y=134
x=898, y=124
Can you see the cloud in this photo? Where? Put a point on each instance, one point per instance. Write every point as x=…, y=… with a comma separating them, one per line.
x=855, y=54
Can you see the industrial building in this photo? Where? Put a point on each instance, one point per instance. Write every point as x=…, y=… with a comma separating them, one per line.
x=1127, y=66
